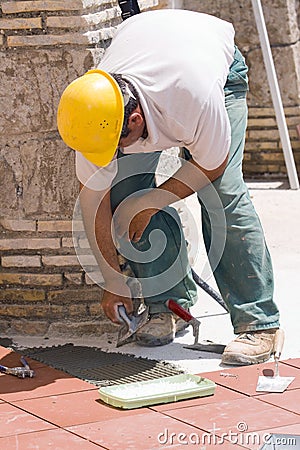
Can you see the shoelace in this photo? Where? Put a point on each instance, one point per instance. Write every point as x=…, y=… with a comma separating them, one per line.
x=246, y=336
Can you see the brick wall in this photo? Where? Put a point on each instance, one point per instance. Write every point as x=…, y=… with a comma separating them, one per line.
x=263, y=151
x=44, y=46
x=43, y=289
x=263, y=156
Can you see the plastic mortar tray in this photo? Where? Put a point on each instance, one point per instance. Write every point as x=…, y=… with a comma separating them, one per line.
x=160, y=390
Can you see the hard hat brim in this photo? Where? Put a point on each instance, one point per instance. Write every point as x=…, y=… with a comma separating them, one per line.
x=99, y=159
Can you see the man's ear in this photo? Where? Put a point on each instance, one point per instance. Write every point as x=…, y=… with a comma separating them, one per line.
x=135, y=120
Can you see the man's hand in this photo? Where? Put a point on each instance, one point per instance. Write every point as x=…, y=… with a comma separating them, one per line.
x=110, y=302
x=131, y=218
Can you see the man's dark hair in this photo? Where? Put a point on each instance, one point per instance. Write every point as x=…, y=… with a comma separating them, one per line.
x=132, y=103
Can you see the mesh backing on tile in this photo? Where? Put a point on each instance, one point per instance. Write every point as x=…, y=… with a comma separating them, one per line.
x=99, y=367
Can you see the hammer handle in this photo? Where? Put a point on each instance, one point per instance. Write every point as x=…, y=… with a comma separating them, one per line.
x=177, y=309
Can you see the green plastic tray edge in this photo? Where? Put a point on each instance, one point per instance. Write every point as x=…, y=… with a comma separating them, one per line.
x=206, y=388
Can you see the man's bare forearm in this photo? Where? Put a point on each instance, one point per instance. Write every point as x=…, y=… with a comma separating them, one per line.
x=190, y=178
x=97, y=216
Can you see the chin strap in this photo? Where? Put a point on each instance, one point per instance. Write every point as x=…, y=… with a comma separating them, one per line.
x=129, y=8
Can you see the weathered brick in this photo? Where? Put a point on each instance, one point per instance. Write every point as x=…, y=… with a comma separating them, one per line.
x=20, y=23
x=293, y=133
x=41, y=5
x=282, y=169
x=94, y=278
x=67, y=242
x=87, y=260
x=31, y=279
x=77, y=311
x=270, y=112
x=61, y=260
x=102, y=34
x=31, y=295
x=60, y=311
x=270, y=135
x=262, y=168
x=29, y=327
x=83, y=21
x=261, y=112
x=78, y=225
x=96, y=310
x=257, y=146
x=21, y=261
x=75, y=278
x=83, y=243
x=247, y=157
x=293, y=121
x=5, y=326
x=292, y=111
x=265, y=157
x=74, y=295
x=55, y=225
x=262, y=122
x=18, y=225
x=66, y=22
x=29, y=243
x=47, y=40
x=24, y=310
x=67, y=311
x=96, y=328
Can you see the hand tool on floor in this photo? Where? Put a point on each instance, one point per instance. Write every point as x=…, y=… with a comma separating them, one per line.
x=208, y=289
x=130, y=324
x=20, y=372
x=275, y=383
x=204, y=346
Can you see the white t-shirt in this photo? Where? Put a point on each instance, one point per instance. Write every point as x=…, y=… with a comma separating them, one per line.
x=178, y=61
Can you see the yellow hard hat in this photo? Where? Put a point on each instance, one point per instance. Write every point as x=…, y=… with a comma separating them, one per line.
x=90, y=116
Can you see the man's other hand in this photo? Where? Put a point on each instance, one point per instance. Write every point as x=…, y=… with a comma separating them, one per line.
x=132, y=218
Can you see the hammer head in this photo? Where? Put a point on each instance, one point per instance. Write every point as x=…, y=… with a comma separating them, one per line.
x=130, y=324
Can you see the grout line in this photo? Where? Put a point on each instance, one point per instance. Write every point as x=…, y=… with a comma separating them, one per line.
x=278, y=406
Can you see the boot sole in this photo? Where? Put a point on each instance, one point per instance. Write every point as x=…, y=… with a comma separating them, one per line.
x=236, y=359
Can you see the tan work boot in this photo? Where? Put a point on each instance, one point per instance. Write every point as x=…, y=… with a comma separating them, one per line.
x=160, y=330
x=251, y=347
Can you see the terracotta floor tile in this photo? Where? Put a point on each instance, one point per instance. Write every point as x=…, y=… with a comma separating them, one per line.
x=244, y=379
x=247, y=413
x=74, y=409
x=4, y=351
x=289, y=400
x=148, y=431
x=221, y=394
x=47, y=382
x=13, y=421
x=295, y=362
x=53, y=439
x=256, y=439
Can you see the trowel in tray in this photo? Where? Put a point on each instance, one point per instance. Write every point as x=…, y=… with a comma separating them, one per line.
x=131, y=324
x=275, y=383
x=204, y=346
